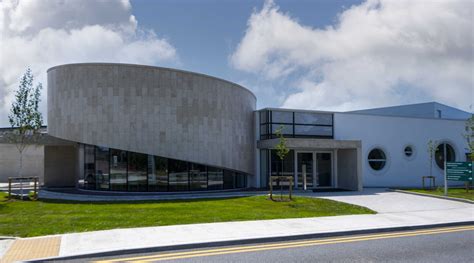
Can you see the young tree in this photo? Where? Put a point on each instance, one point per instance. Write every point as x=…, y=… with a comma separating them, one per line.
x=469, y=135
x=431, y=147
x=282, y=150
x=25, y=117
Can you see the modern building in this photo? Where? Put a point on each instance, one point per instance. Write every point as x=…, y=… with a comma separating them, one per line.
x=121, y=127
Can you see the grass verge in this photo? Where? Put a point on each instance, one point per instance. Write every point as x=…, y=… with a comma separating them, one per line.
x=452, y=192
x=36, y=218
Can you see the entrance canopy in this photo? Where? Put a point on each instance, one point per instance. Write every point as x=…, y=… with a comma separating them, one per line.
x=315, y=163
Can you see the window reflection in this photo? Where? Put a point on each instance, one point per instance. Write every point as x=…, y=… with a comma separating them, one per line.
x=102, y=168
x=229, y=179
x=215, y=178
x=137, y=172
x=197, y=177
x=178, y=175
x=295, y=124
x=157, y=174
x=118, y=170
x=89, y=168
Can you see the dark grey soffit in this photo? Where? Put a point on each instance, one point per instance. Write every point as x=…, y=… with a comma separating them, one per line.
x=44, y=139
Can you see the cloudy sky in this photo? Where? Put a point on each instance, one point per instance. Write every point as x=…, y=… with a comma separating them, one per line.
x=321, y=54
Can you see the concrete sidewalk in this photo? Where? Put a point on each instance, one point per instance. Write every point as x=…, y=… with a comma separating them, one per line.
x=394, y=209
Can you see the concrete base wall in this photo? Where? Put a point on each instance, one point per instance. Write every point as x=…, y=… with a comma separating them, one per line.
x=348, y=170
x=60, y=166
x=33, y=158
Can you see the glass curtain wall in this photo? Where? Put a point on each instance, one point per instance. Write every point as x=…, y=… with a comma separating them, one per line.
x=264, y=168
x=197, y=177
x=296, y=124
x=137, y=172
x=157, y=174
x=288, y=164
x=89, y=168
x=229, y=182
x=215, y=178
x=102, y=179
x=117, y=170
x=178, y=176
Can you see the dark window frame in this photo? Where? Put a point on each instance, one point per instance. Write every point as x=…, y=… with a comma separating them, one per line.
x=268, y=133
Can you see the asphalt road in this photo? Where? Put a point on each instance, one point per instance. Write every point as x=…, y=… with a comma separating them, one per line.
x=454, y=244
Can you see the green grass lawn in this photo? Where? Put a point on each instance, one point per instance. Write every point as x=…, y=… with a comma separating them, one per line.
x=36, y=218
x=452, y=192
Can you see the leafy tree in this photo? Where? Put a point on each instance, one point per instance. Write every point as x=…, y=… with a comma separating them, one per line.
x=282, y=150
x=25, y=117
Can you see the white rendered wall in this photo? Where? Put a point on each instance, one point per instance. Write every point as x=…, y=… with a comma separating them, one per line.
x=33, y=158
x=392, y=134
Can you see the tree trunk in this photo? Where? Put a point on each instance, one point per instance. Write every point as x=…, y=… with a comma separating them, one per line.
x=20, y=164
x=19, y=174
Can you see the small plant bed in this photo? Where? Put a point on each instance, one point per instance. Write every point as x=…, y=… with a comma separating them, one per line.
x=452, y=192
x=36, y=218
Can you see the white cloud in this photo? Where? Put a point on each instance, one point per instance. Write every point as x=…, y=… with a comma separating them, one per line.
x=380, y=52
x=41, y=34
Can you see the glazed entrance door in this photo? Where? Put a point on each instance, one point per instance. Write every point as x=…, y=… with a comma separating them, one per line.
x=305, y=169
x=317, y=167
x=324, y=169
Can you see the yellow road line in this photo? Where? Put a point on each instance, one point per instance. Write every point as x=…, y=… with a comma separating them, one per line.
x=241, y=249
x=294, y=242
x=283, y=247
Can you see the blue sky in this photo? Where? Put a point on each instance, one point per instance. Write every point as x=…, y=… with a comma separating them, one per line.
x=321, y=54
x=205, y=33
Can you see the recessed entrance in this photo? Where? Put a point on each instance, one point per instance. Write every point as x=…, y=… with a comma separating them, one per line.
x=314, y=170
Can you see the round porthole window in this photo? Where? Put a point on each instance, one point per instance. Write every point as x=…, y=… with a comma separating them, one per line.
x=377, y=159
x=441, y=155
x=408, y=151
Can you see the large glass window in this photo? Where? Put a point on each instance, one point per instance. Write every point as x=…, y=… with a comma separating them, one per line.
x=215, y=178
x=137, y=172
x=157, y=174
x=264, y=131
x=197, y=177
x=285, y=129
x=313, y=118
x=408, y=151
x=264, y=116
x=282, y=117
x=178, y=175
x=229, y=179
x=377, y=159
x=296, y=124
x=118, y=170
x=102, y=168
x=240, y=181
x=444, y=152
x=310, y=130
x=89, y=167
x=288, y=164
x=264, y=168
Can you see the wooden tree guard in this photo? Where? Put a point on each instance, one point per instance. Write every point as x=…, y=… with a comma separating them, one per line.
x=281, y=181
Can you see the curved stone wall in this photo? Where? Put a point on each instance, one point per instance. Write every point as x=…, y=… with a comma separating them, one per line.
x=158, y=111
